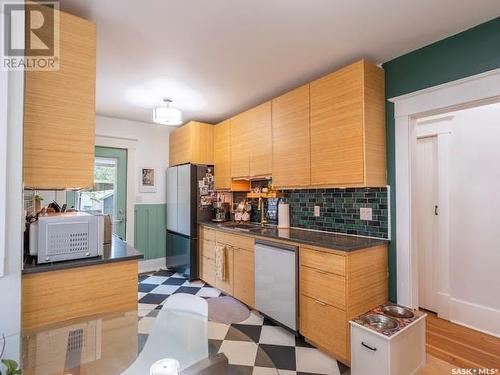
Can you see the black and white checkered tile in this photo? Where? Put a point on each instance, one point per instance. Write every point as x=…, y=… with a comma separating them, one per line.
x=255, y=346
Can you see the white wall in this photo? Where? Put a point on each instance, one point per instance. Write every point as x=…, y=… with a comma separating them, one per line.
x=147, y=146
x=475, y=211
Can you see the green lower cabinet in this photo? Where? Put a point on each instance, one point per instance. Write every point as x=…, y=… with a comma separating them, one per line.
x=150, y=230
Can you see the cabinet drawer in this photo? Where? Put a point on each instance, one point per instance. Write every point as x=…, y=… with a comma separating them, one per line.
x=234, y=240
x=208, y=249
x=208, y=270
x=207, y=234
x=323, y=261
x=324, y=325
x=323, y=286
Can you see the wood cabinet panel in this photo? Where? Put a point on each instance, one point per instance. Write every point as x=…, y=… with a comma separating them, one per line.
x=325, y=326
x=234, y=240
x=240, y=147
x=55, y=296
x=375, y=135
x=180, y=146
x=192, y=143
x=222, y=155
x=259, y=121
x=227, y=285
x=207, y=233
x=337, y=149
x=208, y=249
x=322, y=260
x=244, y=279
x=291, y=139
x=208, y=270
x=323, y=286
x=59, y=113
x=202, y=143
x=367, y=280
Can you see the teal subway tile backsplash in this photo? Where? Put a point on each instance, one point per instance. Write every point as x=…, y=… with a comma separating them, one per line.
x=339, y=210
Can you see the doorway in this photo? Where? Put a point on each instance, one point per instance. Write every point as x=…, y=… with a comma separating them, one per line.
x=109, y=195
x=426, y=216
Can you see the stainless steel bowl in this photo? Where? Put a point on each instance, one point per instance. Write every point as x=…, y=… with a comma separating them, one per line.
x=379, y=321
x=398, y=311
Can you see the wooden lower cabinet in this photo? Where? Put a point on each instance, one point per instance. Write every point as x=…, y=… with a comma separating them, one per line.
x=244, y=278
x=324, y=326
x=239, y=280
x=336, y=287
x=227, y=285
x=60, y=295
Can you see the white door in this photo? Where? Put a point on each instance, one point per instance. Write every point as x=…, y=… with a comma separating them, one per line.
x=172, y=199
x=184, y=199
x=427, y=213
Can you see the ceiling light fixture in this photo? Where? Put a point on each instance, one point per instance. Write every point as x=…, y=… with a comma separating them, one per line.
x=166, y=115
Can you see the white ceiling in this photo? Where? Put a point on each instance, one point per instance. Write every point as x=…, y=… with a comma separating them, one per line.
x=215, y=58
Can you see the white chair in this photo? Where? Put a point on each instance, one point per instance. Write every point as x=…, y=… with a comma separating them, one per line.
x=187, y=303
x=179, y=332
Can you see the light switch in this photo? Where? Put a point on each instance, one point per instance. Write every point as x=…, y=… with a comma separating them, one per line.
x=316, y=211
x=365, y=213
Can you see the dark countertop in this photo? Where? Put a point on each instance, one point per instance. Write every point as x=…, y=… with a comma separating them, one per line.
x=117, y=251
x=334, y=241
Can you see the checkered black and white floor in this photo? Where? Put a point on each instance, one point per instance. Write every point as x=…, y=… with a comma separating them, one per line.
x=255, y=346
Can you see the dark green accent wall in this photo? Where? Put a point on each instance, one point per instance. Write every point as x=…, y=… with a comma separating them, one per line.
x=471, y=52
x=150, y=230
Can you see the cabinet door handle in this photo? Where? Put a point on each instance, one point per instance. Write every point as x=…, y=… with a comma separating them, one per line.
x=320, y=303
x=321, y=271
x=368, y=347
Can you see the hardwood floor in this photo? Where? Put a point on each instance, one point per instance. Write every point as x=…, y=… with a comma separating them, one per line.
x=435, y=366
x=460, y=346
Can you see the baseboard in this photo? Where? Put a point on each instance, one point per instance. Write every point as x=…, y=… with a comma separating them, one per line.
x=478, y=317
x=151, y=265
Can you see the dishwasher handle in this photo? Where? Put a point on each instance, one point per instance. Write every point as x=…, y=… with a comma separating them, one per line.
x=277, y=245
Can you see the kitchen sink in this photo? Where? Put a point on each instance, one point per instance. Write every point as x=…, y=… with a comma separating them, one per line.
x=398, y=311
x=379, y=321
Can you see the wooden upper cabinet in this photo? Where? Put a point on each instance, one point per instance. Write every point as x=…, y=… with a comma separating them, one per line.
x=240, y=146
x=259, y=121
x=291, y=147
x=251, y=142
x=192, y=143
x=59, y=113
x=222, y=155
x=348, y=127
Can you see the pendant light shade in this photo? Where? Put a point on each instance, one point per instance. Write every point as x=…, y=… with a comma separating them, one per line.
x=167, y=115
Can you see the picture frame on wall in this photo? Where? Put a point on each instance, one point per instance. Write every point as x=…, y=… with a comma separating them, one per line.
x=148, y=182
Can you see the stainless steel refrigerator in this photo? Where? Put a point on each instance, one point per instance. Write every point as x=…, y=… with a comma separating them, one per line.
x=189, y=190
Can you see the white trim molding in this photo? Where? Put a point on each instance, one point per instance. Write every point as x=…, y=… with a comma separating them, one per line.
x=460, y=94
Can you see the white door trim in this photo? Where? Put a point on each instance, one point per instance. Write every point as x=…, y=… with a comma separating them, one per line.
x=464, y=93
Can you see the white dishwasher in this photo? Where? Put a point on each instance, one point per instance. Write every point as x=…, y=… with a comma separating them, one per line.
x=276, y=281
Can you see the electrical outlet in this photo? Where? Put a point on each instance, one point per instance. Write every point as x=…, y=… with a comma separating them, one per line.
x=316, y=211
x=365, y=213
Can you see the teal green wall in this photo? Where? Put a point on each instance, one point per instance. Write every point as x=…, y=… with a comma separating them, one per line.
x=150, y=229
x=471, y=52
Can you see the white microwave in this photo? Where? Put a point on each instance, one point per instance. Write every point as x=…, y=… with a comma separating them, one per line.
x=66, y=236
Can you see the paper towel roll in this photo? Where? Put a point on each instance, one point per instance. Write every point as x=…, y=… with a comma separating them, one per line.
x=283, y=215
x=167, y=366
